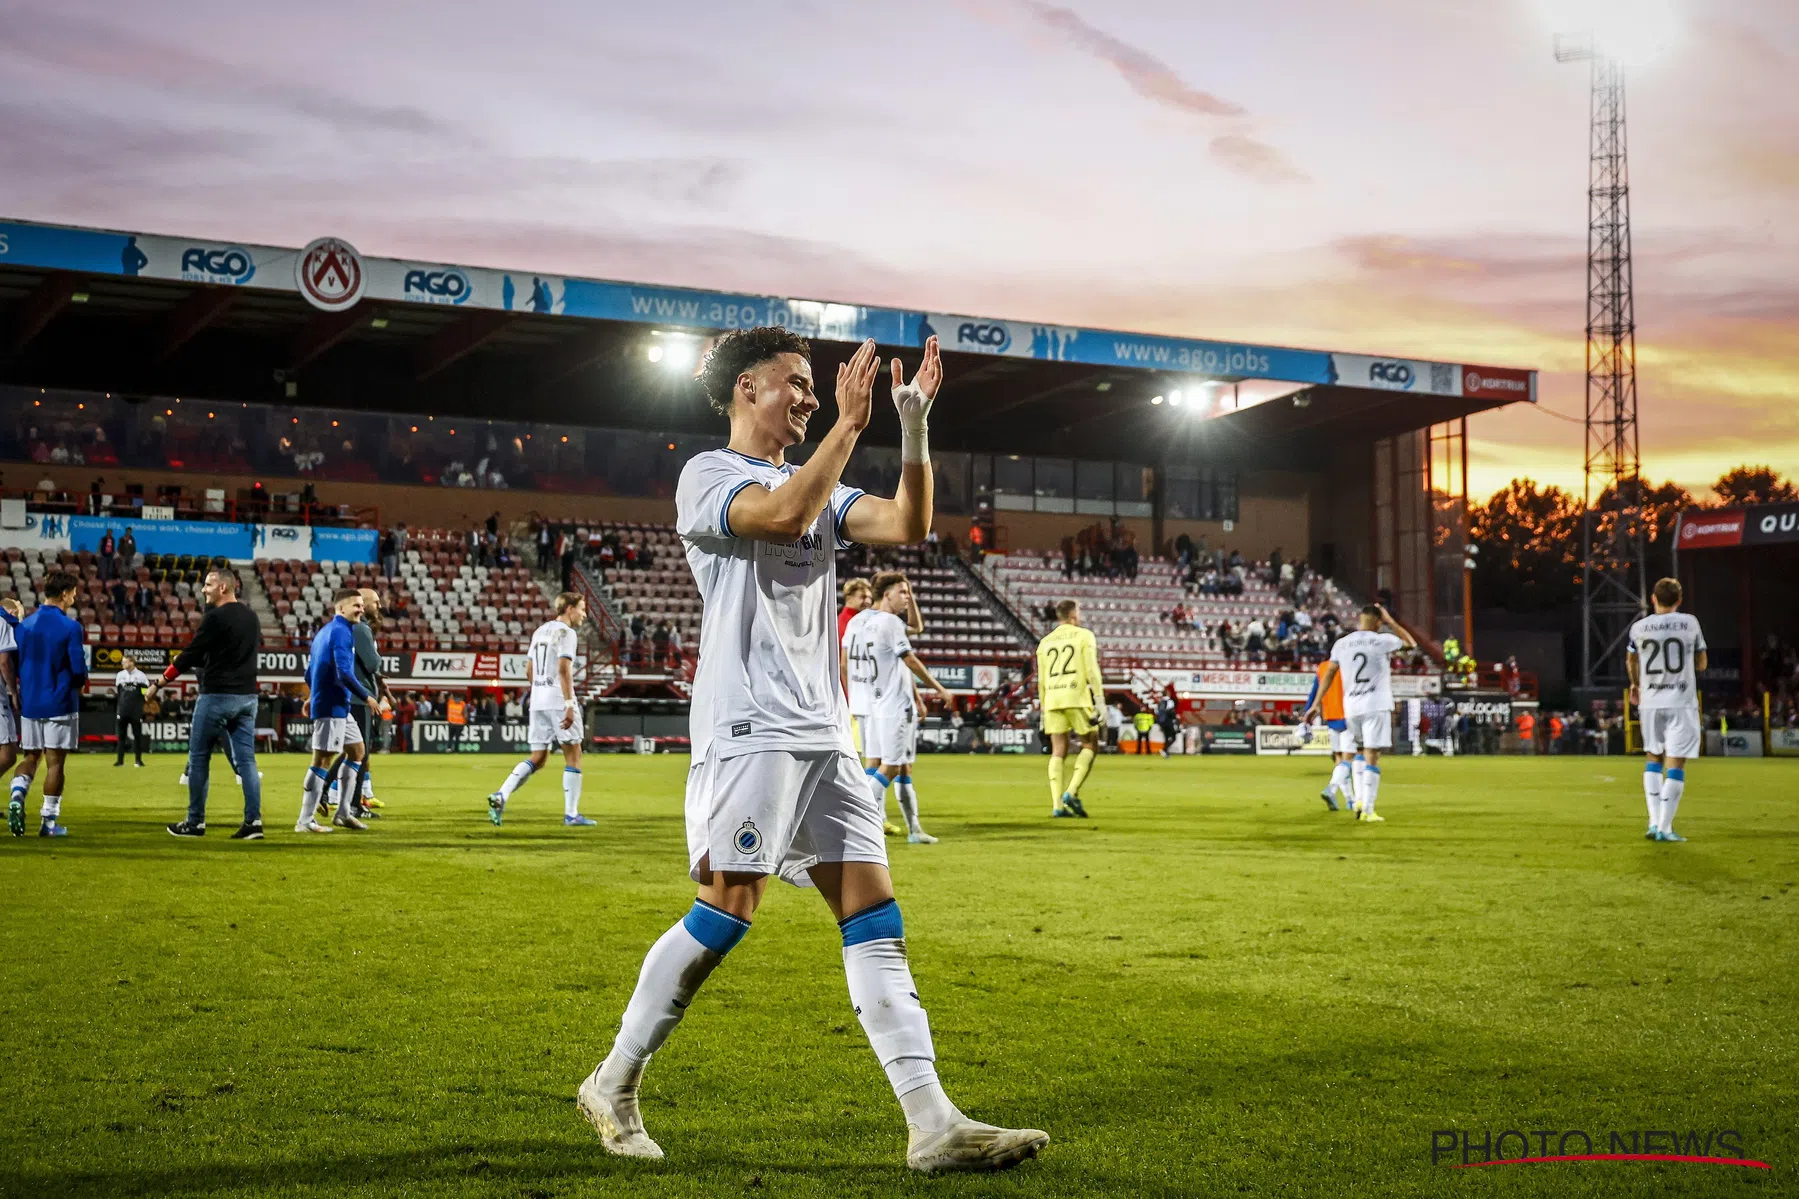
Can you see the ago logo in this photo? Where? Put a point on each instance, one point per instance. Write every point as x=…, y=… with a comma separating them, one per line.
x=217, y=264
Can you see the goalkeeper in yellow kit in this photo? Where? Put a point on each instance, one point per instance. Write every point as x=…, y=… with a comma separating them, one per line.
x=1072, y=695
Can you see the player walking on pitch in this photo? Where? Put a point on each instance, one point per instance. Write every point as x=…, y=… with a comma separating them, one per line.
x=1667, y=651
x=52, y=675
x=555, y=713
x=332, y=680
x=1329, y=702
x=856, y=664
x=1364, y=659
x=882, y=657
x=774, y=787
x=1072, y=696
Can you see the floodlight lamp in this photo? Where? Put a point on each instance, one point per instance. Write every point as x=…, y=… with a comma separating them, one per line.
x=655, y=353
x=1155, y=399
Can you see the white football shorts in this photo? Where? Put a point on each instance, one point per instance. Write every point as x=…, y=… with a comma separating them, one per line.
x=547, y=730
x=780, y=812
x=52, y=732
x=1369, y=730
x=1342, y=740
x=331, y=734
x=1671, y=731
x=9, y=721
x=891, y=742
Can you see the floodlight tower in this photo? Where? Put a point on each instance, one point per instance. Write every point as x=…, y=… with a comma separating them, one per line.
x=1612, y=583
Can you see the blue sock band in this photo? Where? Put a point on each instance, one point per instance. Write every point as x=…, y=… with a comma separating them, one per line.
x=1652, y=768
x=1677, y=773
x=906, y=779
x=530, y=769
x=714, y=928
x=1372, y=768
x=320, y=771
x=873, y=772
x=571, y=770
x=1359, y=758
x=878, y=923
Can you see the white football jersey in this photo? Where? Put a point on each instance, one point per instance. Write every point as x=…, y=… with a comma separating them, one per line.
x=1665, y=645
x=881, y=638
x=550, y=644
x=860, y=659
x=1363, y=659
x=768, y=676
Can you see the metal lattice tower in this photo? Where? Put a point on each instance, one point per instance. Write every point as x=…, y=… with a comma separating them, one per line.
x=1613, y=585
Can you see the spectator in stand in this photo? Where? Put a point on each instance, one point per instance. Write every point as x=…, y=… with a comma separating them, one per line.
x=493, y=524
x=515, y=711
x=121, y=601
x=94, y=504
x=109, y=548
x=659, y=643
x=424, y=710
x=404, y=715
x=608, y=555
x=1068, y=557
x=1254, y=638
x=546, y=537
x=127, y=550
x=1227, y=642
x=146, y=602
x=390, y=554
x=567, y=556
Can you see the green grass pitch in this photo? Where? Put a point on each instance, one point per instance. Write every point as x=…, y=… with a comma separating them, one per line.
x=1212, y=987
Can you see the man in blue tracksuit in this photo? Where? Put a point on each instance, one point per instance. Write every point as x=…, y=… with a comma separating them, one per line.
x=52, y=674
x=332, y=680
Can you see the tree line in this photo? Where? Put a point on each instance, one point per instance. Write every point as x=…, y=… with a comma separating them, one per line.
x=1530, y=536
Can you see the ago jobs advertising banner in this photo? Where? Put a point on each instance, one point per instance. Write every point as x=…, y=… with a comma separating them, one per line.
x=201, y=538
x=331, y=274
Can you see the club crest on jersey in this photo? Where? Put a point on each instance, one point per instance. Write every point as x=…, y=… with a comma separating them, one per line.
x=748, y=838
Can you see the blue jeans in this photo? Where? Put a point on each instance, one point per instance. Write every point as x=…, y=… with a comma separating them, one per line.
x=228, y=719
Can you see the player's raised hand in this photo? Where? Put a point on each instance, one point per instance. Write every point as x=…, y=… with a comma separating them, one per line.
x=914, y=399
x=930, y=373
x=856, y=384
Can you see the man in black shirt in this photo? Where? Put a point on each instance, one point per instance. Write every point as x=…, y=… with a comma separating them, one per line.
x=223, y=654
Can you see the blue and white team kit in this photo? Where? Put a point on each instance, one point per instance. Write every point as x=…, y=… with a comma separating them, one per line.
x=52, y=673
x=877, y=645
x=551, y=645
x=1665, y=645
x=775, y=786
x=1364, y=659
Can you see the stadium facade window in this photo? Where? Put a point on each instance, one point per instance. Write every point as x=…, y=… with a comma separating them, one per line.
x=1135, y=490
x=1013, y=486
x=1054, y=484
x=953, y=494
x=1095, y=487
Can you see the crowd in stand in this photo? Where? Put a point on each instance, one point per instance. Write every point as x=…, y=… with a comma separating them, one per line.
x=1100, y=551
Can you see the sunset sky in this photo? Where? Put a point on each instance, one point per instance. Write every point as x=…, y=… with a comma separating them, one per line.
x=1391, y=176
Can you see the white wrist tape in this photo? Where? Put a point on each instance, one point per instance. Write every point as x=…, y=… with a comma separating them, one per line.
x=914, y=408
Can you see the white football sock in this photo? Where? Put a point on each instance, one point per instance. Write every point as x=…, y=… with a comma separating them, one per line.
x=1357, y=768
x=1340, y=779
x=1370, y=787
x=368, y=784
x=1674, y=781
x=516, y=779
x=571, y=791
x=21, y=784
x=311, y=793
x=672, y=973
x=51, y=809
x=877, y=782
x=886, y=1002
x=908, y=802
x=1652, y=792
x=346, y=788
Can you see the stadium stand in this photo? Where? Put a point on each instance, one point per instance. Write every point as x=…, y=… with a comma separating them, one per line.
x=958, y=625
x=1137, y=618
x=645, y=577
x=439, y=600
x=152, y=600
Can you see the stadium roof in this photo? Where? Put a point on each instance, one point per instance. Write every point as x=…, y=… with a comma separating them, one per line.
x=147, y=314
